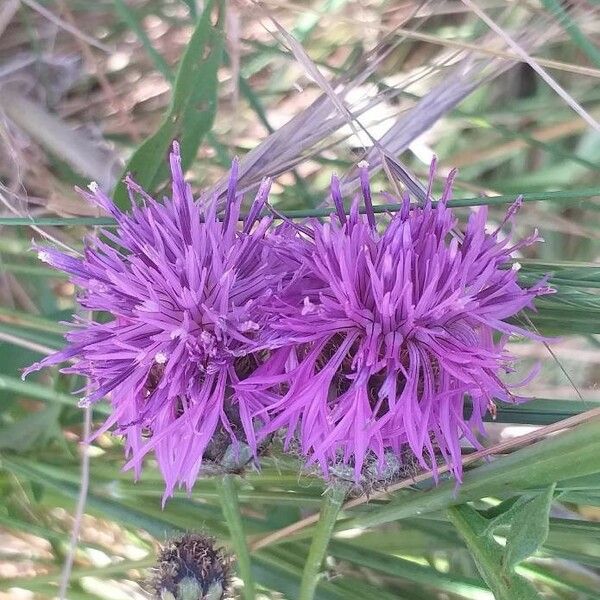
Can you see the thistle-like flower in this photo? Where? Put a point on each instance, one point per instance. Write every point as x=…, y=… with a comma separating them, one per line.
x=389, y=331
x=191, y=568
x=184, y=290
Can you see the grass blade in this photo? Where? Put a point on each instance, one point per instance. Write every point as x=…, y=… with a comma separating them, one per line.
x=231, y=511
x=562, y=196
x=332, y=502
x=192, y=110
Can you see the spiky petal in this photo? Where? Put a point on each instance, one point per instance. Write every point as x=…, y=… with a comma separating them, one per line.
x=388, y=333
x=184, y=291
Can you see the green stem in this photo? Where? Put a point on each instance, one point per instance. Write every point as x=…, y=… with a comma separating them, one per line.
x=231, y=511
x=571, y=195
x=487, y=555
x=332, y=502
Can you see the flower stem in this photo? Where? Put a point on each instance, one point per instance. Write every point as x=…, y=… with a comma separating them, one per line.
x=332, y=502
x=231, y=511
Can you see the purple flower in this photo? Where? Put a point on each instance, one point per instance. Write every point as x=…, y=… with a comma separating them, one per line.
x=388, y=331
x=185, y=292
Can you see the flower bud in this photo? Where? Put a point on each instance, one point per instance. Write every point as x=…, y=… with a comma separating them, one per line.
x=191, y=568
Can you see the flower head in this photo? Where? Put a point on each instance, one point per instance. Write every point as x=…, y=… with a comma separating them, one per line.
x=185, y=292
x=191, y=568
x=389, y=331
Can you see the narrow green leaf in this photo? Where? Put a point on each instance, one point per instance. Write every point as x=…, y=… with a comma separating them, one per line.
x=528, y=529
x=192, y=110
x=410, y=571
x=574, y=31
x=332, y=502
x=32, y=270
x=567, y=196
x=488, y=556
x=539, y=411
x=130, y=18
x=231, y=511
x=45, y=393
x=117, y=568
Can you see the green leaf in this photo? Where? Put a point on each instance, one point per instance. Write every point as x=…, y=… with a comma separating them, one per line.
x=528, y=529
x=488, y=556
x=192, y=110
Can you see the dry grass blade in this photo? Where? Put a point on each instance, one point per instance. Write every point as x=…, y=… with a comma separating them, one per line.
x=313, y=72
x=304, y=135
x=535, y=66
x=459, y=81
x=60, y=139
x=480, y=49
x=7, y=12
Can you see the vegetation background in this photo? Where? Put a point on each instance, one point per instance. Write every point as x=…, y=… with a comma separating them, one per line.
x=507, y=91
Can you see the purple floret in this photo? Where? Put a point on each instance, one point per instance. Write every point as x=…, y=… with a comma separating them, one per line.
x=185, y=292
x=386, y=331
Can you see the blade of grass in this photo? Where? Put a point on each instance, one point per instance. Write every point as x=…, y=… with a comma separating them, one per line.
x=566, y=196
x=332, y=502
x=130, y=18
x=574, y=452
x=45, y=393
x=572, y=28
x=563, y=449
x=192, y=110
x=231, y=511
x=31, y=270
x=539, y=411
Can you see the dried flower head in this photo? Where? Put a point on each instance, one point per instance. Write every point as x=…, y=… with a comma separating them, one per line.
x=185, y=291
x=191, y=568
x=389, y=331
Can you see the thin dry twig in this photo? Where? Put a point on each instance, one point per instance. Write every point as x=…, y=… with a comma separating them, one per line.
x=65, y=576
